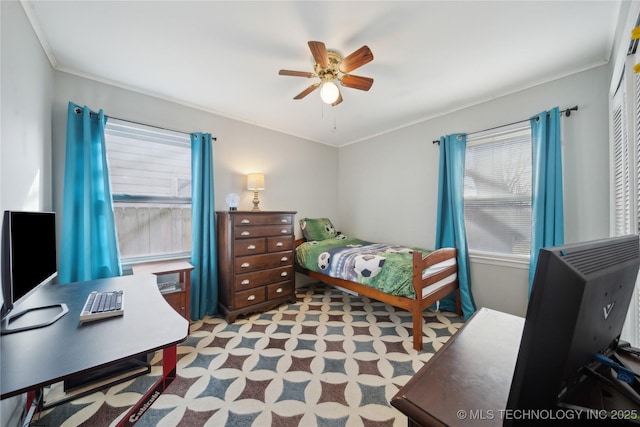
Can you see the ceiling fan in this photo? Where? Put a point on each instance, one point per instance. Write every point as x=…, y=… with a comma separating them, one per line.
x=329, y=67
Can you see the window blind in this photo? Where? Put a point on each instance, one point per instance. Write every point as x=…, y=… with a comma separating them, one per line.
x=150, y=171
x=621, y=178
x=148, y=162
x=625, y=155
x=497, y=190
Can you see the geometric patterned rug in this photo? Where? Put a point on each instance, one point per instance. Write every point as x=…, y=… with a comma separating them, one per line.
x=331, y=359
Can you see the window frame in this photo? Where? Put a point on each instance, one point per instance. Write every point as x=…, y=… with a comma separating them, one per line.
x=494, y=136
x=625, y=165
x=133, y=130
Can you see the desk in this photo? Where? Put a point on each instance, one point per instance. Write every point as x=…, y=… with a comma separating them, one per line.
x=471, y=373
x=36, y=358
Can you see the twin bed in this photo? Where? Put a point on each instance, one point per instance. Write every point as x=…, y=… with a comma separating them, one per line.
x=408, y=278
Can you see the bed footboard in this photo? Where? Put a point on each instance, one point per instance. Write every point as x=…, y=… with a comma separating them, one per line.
x=436, y=274
x=434, y=277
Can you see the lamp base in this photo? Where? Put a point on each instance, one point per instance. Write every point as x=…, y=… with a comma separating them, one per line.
x=256, y=202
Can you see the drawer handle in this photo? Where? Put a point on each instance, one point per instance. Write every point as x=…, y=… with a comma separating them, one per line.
x=284, y=258
x=279, y=291
x=284, y=231
x=244, y=265
x=245, y=282
x=284, y=220
x=245, y=233
x=251, y=297
x=245, y=221
x=279, y=244
x=251, y=247
x=283, y=274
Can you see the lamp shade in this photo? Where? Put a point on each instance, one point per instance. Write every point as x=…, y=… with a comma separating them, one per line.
x=255, y=181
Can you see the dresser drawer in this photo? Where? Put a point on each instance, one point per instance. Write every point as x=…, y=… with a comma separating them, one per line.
x=261, y=278
x=242, y=232
x=280, y=243
x=278, y=290
x=263, y=219
x=249, y=297
x=248, y=264
x=249, y=247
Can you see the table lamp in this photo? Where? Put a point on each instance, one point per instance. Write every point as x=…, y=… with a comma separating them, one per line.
x=255, y=182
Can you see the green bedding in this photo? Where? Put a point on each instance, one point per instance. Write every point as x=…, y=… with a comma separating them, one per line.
x=385, y=267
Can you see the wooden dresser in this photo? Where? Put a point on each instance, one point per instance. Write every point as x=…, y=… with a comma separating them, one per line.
x=255, y=261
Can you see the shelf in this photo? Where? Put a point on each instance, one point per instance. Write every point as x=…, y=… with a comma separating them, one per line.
x=177, y=293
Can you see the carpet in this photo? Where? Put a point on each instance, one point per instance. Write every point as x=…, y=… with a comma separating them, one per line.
x=331, y=359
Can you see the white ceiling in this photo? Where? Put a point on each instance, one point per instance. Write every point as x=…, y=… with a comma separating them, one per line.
x=430, y=57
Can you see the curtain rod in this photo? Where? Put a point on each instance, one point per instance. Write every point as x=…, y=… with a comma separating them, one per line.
x=152, y=126
x=567, y=113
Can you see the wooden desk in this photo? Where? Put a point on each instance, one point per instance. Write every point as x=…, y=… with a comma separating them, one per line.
x=32, y=359
x=467, y=381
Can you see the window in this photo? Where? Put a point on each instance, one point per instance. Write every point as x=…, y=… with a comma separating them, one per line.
x=497, y=190
x=622, y=164
x=150, y=172
x=625, y=175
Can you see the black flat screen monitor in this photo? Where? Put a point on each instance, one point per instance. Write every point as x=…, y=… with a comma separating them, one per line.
x=578, y=304
x=28, y=262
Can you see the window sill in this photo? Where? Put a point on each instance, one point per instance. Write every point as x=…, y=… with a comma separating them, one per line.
x=501, y=260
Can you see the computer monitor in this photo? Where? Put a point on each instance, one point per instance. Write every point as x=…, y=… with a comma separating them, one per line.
x=578, y=304
x=28, y=246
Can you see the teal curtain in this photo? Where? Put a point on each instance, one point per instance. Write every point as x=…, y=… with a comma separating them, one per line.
x=450, y=228
x=89, y=244
x=204, y=277
x=547, y=212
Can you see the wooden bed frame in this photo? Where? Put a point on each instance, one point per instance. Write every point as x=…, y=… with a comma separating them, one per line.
x=414, y=306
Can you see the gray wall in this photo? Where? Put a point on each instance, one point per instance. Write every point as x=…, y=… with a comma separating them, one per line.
x=26, y=90
x=389, y=184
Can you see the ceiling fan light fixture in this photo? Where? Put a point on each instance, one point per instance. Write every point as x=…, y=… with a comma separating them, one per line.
x=329, y=67
x=329, y=92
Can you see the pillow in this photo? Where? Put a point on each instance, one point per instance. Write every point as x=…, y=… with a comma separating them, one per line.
x=317, y=229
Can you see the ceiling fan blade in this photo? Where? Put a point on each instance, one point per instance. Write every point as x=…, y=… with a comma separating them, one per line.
x=307, y=91
x=337, y=101
x=296, y=73
x=319, y=52
x=356, y=82
x=356, y=59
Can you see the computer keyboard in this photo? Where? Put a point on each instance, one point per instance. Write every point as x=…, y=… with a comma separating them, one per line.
x=100, y=305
